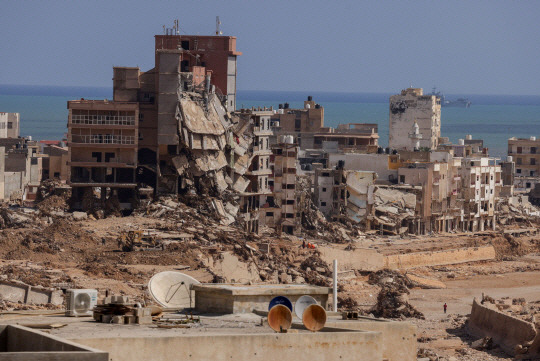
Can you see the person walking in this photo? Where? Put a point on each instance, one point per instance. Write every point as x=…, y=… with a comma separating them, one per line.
x=444, y=307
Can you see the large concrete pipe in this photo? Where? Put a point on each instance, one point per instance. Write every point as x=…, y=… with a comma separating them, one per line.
x=314, y=317
x=280, y=318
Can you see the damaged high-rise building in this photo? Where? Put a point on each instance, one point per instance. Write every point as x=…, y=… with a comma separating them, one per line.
x=164, y=129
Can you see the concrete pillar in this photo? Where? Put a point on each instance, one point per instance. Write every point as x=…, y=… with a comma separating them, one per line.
x=335, y=286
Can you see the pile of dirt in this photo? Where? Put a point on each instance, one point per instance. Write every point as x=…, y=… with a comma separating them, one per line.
x=33, y=277
x=509, y=245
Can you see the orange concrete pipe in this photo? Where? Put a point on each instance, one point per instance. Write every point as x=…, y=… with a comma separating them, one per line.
x=314, y=317
x=280, y=318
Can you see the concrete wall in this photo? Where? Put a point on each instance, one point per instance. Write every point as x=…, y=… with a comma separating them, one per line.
x=301, y=346
x=3, y=124
x=361, y=259
x=13, y=125
x=378, y=163
x=23, y=293
x=506, y=331
x=398, y=338
x=438, y=258
x=13, y=182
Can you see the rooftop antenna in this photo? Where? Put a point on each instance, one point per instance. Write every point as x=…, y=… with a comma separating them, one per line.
x=218, y=23
x=175, y=27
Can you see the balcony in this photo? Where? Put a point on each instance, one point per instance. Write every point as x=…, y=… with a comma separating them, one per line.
x=103, y=139
x=103, y=120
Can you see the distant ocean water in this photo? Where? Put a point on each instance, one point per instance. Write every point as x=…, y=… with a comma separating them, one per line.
x=493, y=118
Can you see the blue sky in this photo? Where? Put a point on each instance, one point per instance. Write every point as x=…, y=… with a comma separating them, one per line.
x=469, y=47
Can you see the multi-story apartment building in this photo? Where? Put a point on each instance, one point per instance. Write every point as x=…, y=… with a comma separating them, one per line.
x=103, y=141
x=307, y=126
x=481, y=185
x=410, y=109
x=525, y=153
x=281, y=210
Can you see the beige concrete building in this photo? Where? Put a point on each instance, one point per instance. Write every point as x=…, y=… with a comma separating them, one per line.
x=102, y=138
x=525, y=153
x=280, y=212
x=344, y=193
x=9, y=125
x=55, y=162
x=307, y=126
x=411, y=108
x=21, y=168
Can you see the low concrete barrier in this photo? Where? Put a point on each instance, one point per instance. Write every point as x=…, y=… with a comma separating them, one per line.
x=439, y=258
x=329, y=344
x=507, y=331
x=361, y=258
x=398, y=338
x=15, y=291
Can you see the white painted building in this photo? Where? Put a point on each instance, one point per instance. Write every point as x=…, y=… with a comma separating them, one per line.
x=409, y=107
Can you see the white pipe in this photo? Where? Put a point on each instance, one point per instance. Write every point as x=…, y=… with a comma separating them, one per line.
x=335, y=286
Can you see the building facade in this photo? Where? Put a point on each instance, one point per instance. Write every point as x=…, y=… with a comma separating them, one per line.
x=410, y=109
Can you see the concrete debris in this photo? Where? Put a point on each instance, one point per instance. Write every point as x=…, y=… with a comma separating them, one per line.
x=392, y=300
x=118, y=310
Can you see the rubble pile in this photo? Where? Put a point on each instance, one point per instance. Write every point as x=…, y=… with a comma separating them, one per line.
x=517, y=210
x=214, y=146
x=314, y=223
x=52, y=197
x=393, y=206
x=12, y=218
x=516, y=307
x=392, y=300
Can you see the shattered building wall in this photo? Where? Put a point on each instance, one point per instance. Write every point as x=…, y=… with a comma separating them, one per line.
x=344, y=193
x=409, y=107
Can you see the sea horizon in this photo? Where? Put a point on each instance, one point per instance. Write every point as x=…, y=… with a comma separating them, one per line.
x=493, y=118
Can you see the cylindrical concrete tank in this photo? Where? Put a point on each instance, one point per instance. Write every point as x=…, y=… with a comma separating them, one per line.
x=461, y=141
x=509, y=158
x=468, y=137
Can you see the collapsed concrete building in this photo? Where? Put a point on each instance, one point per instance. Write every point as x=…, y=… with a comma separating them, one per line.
x=159, y=123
